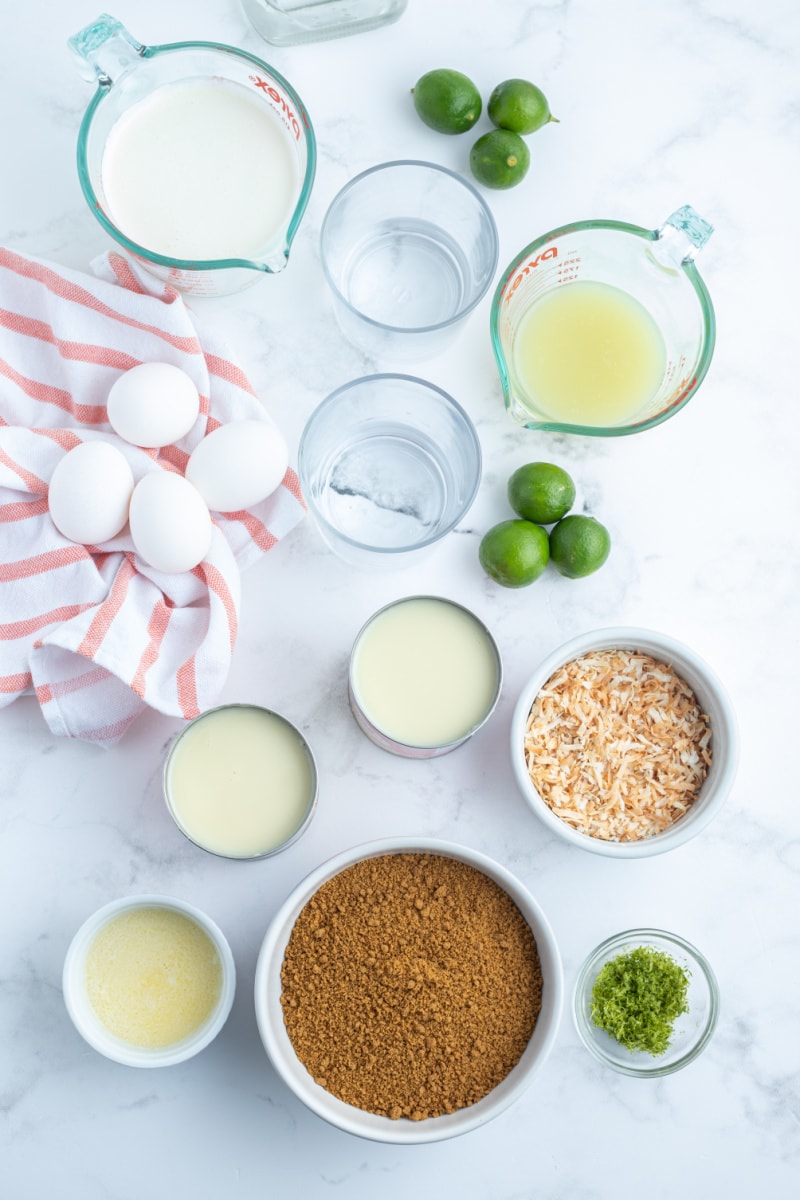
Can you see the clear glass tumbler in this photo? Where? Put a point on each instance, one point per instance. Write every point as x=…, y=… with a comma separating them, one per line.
x=389, y=464
x=408, y=249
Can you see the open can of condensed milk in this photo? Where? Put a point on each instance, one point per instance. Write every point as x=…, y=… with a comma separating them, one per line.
x=241, y=781
x=425, y=675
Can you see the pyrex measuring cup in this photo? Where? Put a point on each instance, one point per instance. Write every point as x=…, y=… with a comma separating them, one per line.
x=127, y=74
x=651, y=271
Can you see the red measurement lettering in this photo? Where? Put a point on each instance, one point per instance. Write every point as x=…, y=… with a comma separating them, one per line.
x=551, y=252
x=279, y=100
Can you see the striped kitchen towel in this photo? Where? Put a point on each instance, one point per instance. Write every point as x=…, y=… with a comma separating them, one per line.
x=94, y=632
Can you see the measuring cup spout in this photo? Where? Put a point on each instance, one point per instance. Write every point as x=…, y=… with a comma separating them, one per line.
x=277, y=260
x=104, y=49
x=682, y=235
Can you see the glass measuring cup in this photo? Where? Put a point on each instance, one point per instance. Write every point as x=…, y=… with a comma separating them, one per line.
x=127, y=73
x=653, y=270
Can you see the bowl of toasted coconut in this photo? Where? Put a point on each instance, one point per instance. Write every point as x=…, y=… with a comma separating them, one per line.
x=624, y=742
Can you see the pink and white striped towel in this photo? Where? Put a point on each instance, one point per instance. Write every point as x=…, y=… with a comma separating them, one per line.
x=94, y=632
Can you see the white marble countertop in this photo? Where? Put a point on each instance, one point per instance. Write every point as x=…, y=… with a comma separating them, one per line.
x=660, y=104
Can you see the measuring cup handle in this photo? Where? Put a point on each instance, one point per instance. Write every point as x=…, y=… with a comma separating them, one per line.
x=104, y=49
x=684, y=233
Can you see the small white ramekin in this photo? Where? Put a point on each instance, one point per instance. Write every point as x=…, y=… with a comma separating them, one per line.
x=89, y=1025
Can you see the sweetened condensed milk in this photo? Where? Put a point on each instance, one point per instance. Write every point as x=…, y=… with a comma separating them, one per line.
x=240, y=781
x=424, y=674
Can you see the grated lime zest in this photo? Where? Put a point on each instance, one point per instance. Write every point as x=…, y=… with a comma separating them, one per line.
x=638, y=996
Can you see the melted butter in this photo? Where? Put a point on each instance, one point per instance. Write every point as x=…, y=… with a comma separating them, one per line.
x=153, y=976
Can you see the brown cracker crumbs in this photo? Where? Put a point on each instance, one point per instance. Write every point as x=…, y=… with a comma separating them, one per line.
x=616, y=745
x=411, y=985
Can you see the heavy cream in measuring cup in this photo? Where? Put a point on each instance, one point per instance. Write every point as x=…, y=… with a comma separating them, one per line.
x=200, y=170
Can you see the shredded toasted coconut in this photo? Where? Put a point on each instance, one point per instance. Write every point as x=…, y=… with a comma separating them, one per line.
x=617, y=745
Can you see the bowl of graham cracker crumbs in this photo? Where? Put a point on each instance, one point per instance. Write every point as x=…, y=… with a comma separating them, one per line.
x=624, y=742
x=409, y=990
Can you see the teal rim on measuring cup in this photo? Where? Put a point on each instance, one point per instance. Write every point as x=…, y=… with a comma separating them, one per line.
x=654, y=269
x=127, y=71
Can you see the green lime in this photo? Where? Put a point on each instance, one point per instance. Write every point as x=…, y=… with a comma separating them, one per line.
x=579, y=546
x=519, y=105
x=514, y=553
x=500, y=159
x=541, y=492
x=447, y=101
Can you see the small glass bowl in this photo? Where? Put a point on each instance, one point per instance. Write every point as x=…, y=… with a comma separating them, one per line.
x=692, y=1030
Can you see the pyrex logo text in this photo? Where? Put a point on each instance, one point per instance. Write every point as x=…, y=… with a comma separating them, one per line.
x=280, y=101
x=550, y=252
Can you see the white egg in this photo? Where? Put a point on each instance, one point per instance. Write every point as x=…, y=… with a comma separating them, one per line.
x=89, y=493
x=170, y=522
x=238, y=464
x=153, y=405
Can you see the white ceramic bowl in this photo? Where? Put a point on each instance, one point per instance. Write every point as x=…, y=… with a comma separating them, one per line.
x=711, y=697
x=91, y=1027
x=355, y=1120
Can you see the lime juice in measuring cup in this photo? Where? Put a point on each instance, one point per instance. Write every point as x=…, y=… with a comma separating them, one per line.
x=197, y=158
x=604, y=328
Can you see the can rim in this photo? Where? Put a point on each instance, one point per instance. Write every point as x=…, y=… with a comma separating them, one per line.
x=313, y=791
x=408, y=749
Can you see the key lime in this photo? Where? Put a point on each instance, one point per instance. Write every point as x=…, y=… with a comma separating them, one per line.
x=579, y=546
x=541, y=492
x=519, y=105
x=500, y=159
x=514, y=553
x=447, y=101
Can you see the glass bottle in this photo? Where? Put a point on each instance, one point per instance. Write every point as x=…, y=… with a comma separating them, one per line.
x=286, y=22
